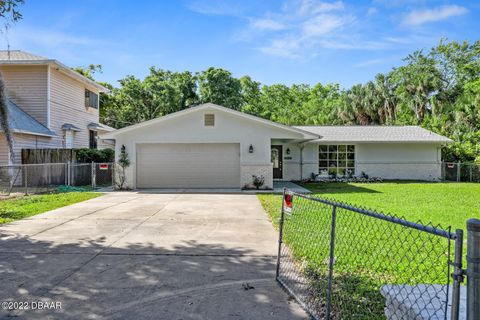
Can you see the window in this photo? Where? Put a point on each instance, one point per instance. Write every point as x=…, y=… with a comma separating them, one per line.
x=69, y=139
x=336, y=160
x=91, y=99
x=209, y=120
x=93, y=140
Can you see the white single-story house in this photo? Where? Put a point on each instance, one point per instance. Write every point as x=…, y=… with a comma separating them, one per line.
x=210, y=146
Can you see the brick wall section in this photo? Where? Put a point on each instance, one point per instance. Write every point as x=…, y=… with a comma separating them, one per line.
x=246, y=172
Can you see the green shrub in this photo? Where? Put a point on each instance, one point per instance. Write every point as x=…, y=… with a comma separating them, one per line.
x=85, y=155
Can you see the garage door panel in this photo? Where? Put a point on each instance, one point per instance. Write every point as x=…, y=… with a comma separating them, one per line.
x=188, y=165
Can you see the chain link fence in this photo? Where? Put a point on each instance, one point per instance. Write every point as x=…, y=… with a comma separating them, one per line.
x=344, y=262
x=460, y=172
x=48, y=177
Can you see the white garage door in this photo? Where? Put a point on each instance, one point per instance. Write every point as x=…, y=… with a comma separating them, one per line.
x=196, y=165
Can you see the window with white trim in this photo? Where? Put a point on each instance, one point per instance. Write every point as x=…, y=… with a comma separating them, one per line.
x=338, y=160
x=68, y=139
x=91, y=99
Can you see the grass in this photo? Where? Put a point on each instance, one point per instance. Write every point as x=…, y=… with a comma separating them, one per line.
x=371, y=252
x=447, y=204
x=27, y=206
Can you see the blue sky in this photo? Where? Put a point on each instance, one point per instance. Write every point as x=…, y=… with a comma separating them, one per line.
x=282, y=41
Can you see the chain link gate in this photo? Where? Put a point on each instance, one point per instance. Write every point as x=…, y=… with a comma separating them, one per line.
x=344, y=262
x=102, y=174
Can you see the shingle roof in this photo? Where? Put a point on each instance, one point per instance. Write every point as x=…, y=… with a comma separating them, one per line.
x=19, y=55
x=21, y=122
x=69, y=126
x=99, y=127
x=374, y=134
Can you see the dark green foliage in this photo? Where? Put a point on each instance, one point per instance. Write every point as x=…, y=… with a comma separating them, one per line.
x=258, y=181
x=438, y=89
x=86, y=155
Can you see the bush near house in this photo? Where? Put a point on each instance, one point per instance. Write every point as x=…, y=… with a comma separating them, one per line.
x=85, y=155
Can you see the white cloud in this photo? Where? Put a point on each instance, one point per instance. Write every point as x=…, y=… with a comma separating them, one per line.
x=267, y=24
x=216, y=7
x=285, y=47
x=371, y=11
x=418, y=17
x=323, y=24
x=313, y=7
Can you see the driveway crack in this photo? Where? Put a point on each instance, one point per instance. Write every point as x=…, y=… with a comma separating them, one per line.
x=109, y=245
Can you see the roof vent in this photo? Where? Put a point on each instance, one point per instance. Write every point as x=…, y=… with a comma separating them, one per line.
x=209, y=120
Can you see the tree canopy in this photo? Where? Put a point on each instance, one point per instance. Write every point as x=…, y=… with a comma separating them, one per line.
x=438, y=89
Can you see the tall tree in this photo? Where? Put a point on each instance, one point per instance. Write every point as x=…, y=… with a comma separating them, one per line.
x=9, y=13
x=218, y=86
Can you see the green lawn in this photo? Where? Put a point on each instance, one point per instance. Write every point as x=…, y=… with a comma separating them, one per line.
x=371, y=252
x=27, y=206
x=447, y=204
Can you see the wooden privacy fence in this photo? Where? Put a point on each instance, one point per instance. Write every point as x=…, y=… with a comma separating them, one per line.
x=34, y=156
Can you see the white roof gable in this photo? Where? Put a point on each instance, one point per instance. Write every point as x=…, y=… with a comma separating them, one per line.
x=211, y=106
x=374, y=134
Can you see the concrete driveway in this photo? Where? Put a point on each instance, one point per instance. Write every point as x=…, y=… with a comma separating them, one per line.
x=146, y=256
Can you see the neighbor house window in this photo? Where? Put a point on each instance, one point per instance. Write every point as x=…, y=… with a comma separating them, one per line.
x=91, y=99
x=69, y=139
x=209, y=120
x=93, y=140
x=336, y=160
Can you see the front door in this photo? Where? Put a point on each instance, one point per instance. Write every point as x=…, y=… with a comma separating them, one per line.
x=277, y=161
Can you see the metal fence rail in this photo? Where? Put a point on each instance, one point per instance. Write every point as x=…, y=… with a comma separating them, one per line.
x=460, y=172
x=345, y=262
x=47, y=177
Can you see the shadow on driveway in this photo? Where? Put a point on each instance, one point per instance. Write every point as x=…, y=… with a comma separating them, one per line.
x=94, y=278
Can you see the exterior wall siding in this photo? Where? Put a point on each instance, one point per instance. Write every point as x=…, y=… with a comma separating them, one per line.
x=27, y=86
x=411, y=161
x=67, y=105
x=189, y=128
x=298, y=166
x=26, y=141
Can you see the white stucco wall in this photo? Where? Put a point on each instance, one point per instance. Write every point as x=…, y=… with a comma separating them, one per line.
x=229, y=128
x=416, y=161
x=292, y=168
x=411, y=161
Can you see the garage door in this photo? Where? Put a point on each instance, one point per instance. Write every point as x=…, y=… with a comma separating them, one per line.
x=199, y=165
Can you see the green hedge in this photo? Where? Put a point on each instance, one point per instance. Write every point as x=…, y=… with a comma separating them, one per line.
x=96, y=155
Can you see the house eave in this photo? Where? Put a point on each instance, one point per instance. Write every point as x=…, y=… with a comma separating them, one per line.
x=52, y=135
x=306, y=135
x=60, y=67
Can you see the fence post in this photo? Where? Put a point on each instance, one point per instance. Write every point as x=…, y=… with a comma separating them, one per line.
x=25, y=177
x=113, y=175
x=458, y=171
x=471, y=176
x=473, y=269
x=280, y=235
x=93, y=174
x=66, y=173
x=457, y=274
x=69, y=175
x=331, y=262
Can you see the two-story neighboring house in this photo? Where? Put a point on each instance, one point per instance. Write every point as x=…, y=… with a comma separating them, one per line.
x=50, y=105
